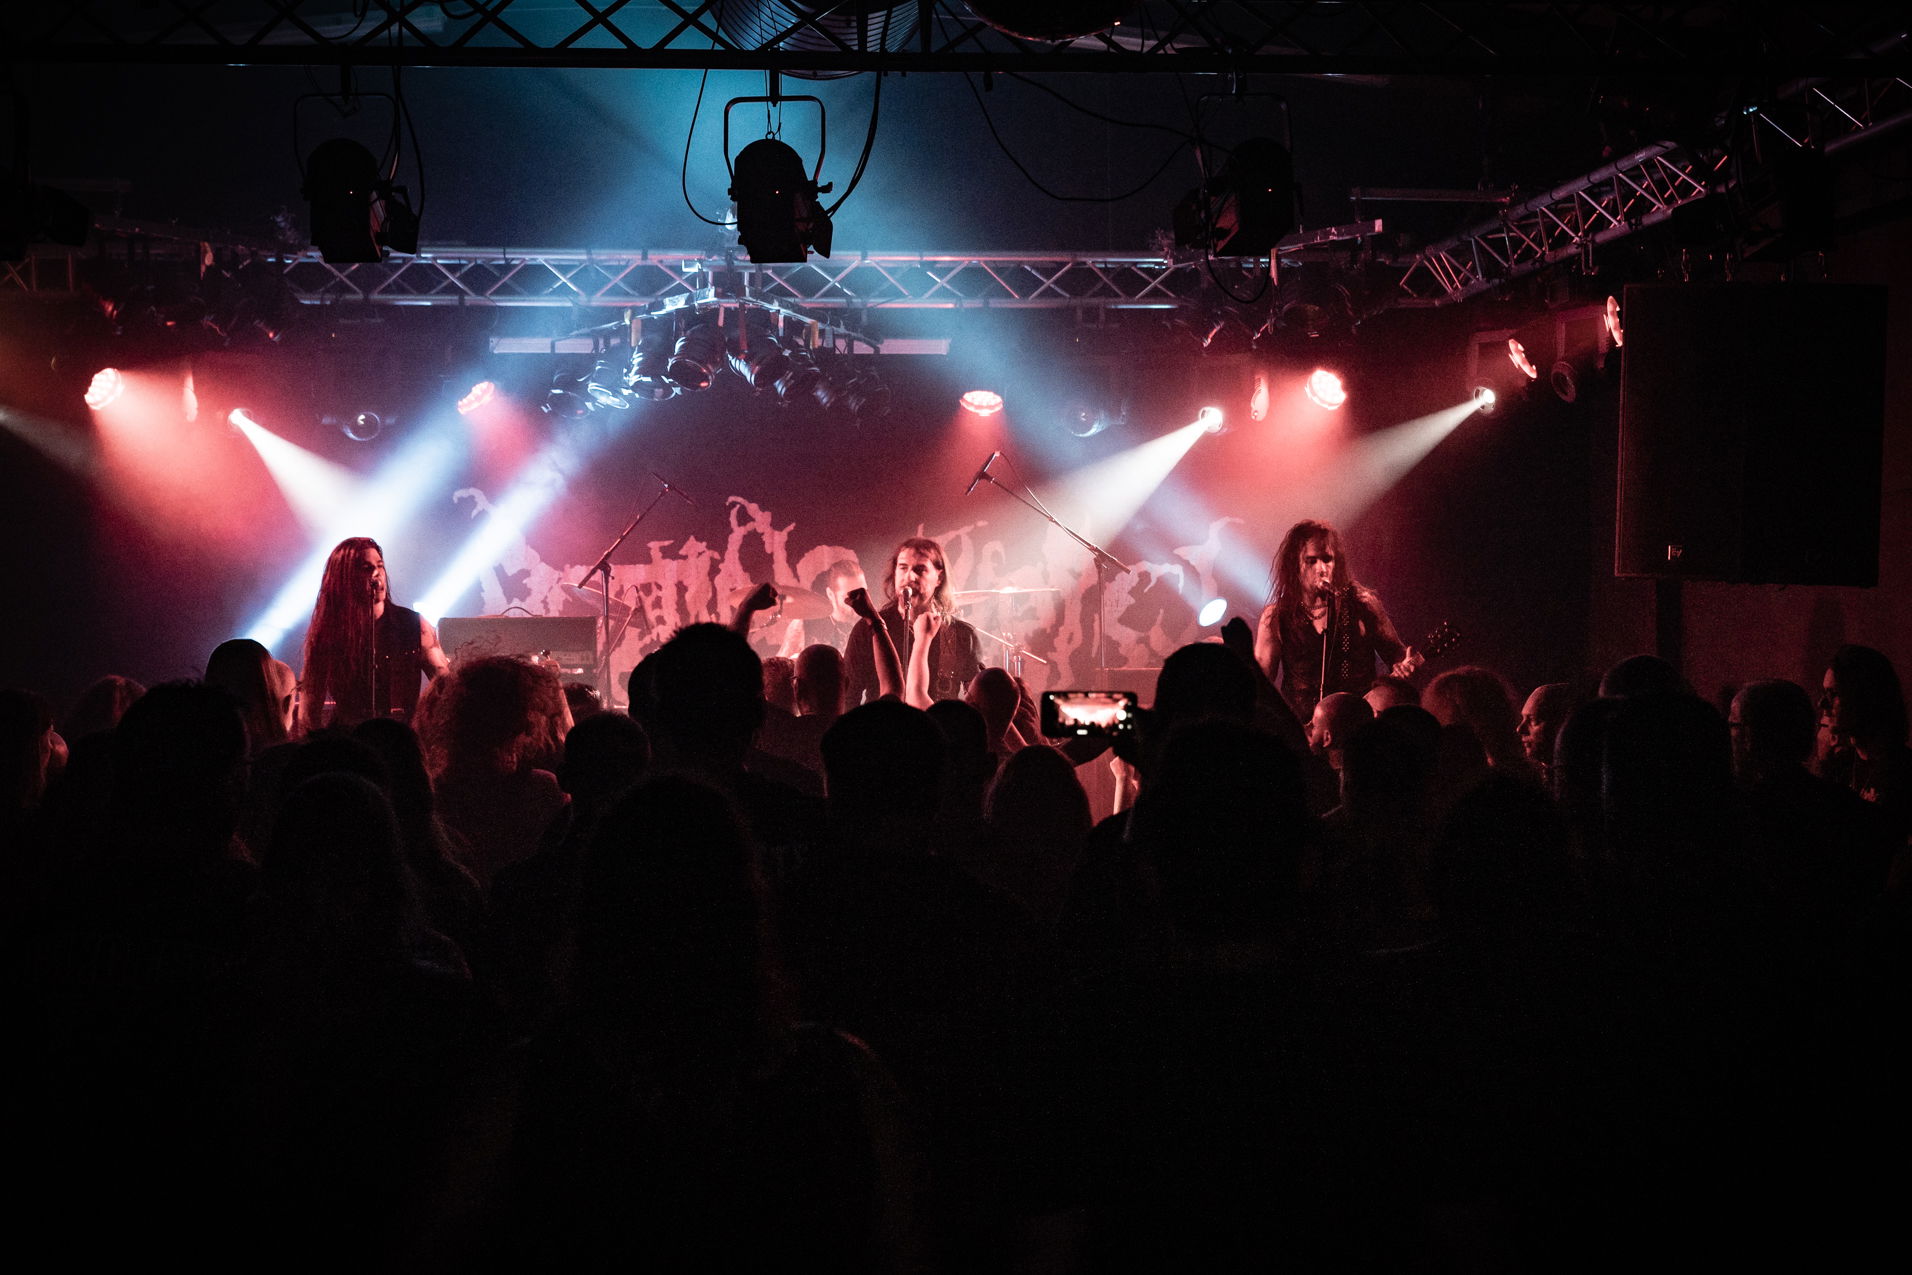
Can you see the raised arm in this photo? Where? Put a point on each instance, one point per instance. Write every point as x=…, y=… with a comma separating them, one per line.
x=889, y=667
x=1267, y=651
x=761, y=598
x=917, y=678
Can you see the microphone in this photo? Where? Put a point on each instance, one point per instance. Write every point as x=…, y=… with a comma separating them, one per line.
x=907, y=601
x=679, y=490
x=981, y=473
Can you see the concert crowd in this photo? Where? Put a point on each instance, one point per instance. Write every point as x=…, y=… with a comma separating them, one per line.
x=1448, y=975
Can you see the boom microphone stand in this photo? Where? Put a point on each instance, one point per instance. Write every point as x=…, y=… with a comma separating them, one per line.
x=1104, y=563
x=603, y=567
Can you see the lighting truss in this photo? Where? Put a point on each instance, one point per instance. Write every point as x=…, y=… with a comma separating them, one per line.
x=655, y=281
x=1642, y=190
x=1636, y=192
x=1166, y=36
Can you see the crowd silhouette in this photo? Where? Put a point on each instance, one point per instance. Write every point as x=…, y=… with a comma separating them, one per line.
x=1494, y=981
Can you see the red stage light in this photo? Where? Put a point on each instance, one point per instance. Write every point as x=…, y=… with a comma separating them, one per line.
x=107, y=386
x=1325, y=389
x=476, y=397
x=1517, y=354
x=982, y=402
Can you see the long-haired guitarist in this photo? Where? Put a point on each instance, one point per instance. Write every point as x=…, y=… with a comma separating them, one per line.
x=363, y=652
x=1323, y=631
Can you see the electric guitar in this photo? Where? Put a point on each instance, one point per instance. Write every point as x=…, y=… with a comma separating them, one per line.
x=1441, y=639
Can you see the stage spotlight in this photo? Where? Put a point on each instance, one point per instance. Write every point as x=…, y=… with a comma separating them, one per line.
x=699, y=354
x=650, y=372
x=867, y=397
x=1565, y=379
x=106, y=387
x=982, y=402
x=609, y=386
x=1210, y=418
x=1485, y=400
x=1086, y=419
x=826, y=392
x=476, y=397
x=762, y=366
x=567, y=397
x=1517, y=355
x=1326, y=390
x=1212, y=612
x=778, y=216
x=1245, y=208
x=341, y=181
x=800, y=377
x=363, y=427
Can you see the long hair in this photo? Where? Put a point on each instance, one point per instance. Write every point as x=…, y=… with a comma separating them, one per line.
x=943, y=601
x=338, y=643
x=1285, y=590
x=1871, y=700
x=243, y=669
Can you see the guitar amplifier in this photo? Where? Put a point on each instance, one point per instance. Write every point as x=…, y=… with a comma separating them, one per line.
x=570, y=640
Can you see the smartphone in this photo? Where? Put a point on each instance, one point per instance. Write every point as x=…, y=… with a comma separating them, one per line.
x=1097, y=713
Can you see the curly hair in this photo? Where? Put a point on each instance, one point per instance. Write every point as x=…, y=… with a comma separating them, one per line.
x=1481, y=700
x=485, y=715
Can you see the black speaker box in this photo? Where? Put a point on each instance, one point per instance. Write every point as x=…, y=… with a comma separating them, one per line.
x=1751, y=426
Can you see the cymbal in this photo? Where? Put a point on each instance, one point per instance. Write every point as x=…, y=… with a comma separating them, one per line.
x=968, y=596
x=593, y=599
x=792, y=603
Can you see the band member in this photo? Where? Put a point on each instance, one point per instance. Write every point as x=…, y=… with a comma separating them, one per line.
x=363, y=652
x=1323, y=631
x=939, y=653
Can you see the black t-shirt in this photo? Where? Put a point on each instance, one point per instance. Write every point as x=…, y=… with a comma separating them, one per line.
x=954, y=657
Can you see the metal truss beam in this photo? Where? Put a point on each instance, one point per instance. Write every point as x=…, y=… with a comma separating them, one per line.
x=1306, y=37
x=656, y=281
x=1571, y=220
x=1643, y=189
x=649, y=279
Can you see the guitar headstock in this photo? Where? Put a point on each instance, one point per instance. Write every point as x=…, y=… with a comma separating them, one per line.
x=1443, y=638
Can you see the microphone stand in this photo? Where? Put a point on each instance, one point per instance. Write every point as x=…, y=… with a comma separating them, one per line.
x=1104, y=562
x=603, y=566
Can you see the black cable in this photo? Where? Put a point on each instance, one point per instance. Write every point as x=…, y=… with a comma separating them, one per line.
x=1097, y=115
x=418, y=152
x=869, y=141
x=1031, y=177
x=683, y=171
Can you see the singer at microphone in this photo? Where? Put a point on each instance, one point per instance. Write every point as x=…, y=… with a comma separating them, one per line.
x=918, y=584
x=981, y=473
x=1323, y=632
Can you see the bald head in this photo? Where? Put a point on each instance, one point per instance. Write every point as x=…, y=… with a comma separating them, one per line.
x=1335, y=720
x=1540, y=719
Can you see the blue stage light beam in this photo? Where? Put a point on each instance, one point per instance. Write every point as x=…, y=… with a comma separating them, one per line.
x=381, y=508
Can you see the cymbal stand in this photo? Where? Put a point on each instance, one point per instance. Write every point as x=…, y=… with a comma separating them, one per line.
x=1104, y=563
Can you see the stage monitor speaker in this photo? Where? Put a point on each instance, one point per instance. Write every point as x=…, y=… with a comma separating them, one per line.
x=570, y=639
x=1751, y=427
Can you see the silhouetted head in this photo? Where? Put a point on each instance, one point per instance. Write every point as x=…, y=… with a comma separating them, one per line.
x=1861, y=697
x=1639, y=675
x=700, y=697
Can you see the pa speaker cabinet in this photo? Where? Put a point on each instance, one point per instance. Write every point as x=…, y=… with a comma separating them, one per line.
x=1751, y=426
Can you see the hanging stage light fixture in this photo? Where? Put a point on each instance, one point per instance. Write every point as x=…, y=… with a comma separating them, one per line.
x=778, y=216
